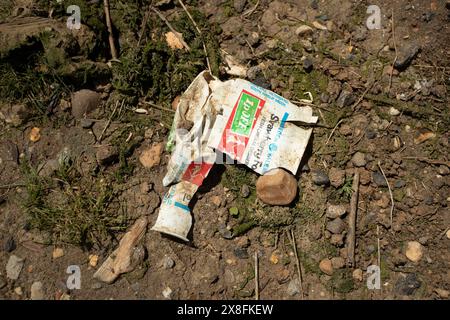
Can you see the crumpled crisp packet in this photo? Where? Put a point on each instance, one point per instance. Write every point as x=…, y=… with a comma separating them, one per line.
x=236, y=118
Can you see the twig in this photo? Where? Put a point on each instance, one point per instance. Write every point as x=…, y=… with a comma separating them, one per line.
x=334, y=129
x=396, y=52
x=143, y=27
x=390, y=192
x=199, y=32
x=9, y=186
x=250, y=11
x=378, y=247
x=109, y=121
x=444, y=233
x=250, y=46
x=177, y=34
x=297, y=262
x=361, y=97
x=256, y=277
x=112, y=44
x=159, y=107
x=352, y=221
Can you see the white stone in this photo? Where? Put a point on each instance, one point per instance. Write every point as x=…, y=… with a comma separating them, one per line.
x=394, y=112
x=304, y=30
x=167, y=293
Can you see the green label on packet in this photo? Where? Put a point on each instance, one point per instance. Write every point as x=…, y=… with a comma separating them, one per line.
x=245, y=113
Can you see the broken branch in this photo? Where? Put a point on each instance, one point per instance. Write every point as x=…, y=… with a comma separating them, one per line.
x=199, y=32
x=112, y=44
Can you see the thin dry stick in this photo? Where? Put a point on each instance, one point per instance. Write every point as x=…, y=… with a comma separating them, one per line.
x=334, y=129
x=362, y=96
x=378, y=247
x=297, y=262
x=159, y=107
x=109, y=121
x=143, y=27
x=177, y=34
x=390, y=192
x=199, y=32
x=256, y=277
x=9, y=186
x=112, y=44
x=396, y=52
x=352, y=221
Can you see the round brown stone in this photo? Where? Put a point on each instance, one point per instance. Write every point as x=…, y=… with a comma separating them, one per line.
x=276, y=187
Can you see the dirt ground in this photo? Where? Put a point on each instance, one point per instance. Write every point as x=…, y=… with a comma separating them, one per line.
x=63, y=202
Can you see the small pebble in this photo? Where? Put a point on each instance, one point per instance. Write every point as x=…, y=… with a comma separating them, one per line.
x=337, y=177
x=336, y=226
x=335, y=210
x=358, y=275
x=308, y=65
x=443, y=170
x=378, y=179
x=370, y=134
x=293, y=287
x=168, y=263
x=408, y=284
x=337, y=262
x=167, y=293
x=394, y=112
x=245, y=191
x=359, y=159
x=241, y=253
x=443, y=294
x=97, y=285
x=337, y=239
x=224, y=232
x=326, y=266
x=18, y=291
x=57, y=253
x=93, y=260
x=14, y=267
x=216, y=200
x=414, y=251
x=37, y=292
x=399, y=184
x=86, y=123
